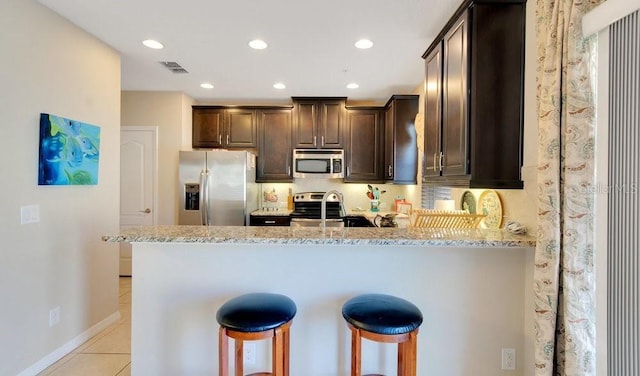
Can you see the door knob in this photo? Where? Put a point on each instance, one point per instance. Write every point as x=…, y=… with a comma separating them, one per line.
x=146, y=211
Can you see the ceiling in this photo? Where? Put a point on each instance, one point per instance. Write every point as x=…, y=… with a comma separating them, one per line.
x=311, y=45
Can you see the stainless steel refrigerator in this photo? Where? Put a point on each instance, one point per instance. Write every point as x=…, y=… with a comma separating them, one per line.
x=217, y=188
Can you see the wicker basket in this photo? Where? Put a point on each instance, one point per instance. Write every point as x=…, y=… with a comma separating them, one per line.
x=444, y=219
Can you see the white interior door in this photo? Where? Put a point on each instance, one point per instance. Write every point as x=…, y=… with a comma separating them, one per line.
x=138, y=153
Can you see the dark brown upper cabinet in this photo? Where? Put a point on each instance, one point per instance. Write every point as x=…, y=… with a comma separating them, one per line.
x=400, y=140
x=219, y=127
x=364, y=148
x=474, y=99
x=433, y=112
x=207, y=127
x=275, y=144
x=240, y=128
x=454, y=102
x=318, y=122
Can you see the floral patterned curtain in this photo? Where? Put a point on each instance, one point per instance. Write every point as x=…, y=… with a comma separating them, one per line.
x=564, y=278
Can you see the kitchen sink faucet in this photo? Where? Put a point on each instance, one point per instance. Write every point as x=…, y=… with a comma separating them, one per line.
x=323, y=206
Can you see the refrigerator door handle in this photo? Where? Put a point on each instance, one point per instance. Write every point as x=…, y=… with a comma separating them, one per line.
x=204, y=197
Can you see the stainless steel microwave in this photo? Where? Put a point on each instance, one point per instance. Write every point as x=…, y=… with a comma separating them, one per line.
x=318, y=163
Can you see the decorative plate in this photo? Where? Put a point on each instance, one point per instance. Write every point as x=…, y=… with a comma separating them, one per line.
x=468, y=202
x=489, y=204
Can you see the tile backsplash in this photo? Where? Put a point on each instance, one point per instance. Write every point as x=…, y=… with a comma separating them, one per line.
x=355, y=195
x=518, y=204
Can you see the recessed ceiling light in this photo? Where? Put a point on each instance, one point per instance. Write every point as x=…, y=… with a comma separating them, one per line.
x=258, y=44
x=206, y=85
x=364, y=44
x=279, y=85
x=352, y=85
x=153, y=44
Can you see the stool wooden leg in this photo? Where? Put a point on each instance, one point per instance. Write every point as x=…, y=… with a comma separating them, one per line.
x=239, y=357
x=402, y=358
x=412, y=349
x=407, y=355
x=286, y=351
x=356, y=349
x=223, y=353
x=280, y=341
x=278, y=353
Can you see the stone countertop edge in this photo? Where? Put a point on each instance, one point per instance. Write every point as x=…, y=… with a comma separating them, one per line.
x=329, y=236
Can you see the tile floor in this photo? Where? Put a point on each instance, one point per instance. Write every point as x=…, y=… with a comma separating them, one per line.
x=108, y=353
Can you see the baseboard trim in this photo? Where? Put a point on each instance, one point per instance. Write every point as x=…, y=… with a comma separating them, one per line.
x=68, y=347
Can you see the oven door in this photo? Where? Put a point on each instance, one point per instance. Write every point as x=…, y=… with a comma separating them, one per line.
x=314, y=222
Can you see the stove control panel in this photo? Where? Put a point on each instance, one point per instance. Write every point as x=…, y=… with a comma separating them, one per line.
x=314, y=197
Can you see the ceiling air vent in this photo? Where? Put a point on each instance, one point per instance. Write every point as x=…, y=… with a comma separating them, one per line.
x=173, y=67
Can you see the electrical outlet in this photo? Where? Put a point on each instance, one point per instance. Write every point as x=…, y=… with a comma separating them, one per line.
x=509, y=359
x=54, y=316
x=249, y=349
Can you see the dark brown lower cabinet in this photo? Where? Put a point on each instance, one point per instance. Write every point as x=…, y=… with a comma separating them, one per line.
x=269, y=220
x=357, y=221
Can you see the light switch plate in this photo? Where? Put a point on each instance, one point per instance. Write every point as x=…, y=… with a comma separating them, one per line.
x=29, y=214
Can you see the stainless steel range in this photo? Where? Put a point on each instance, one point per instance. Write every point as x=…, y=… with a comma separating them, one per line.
x=307, y=208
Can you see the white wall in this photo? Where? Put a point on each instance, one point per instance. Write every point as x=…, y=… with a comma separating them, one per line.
x=471, y=300
x=171, y=113
x=49, y=65
x=521, y=205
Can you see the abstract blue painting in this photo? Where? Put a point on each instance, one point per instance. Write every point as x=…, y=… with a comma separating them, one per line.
x=69, y=152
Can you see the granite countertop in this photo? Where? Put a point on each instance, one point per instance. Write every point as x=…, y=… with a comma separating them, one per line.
x=329, y=236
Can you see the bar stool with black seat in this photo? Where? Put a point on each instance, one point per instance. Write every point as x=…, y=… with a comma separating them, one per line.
x=253, y=317
x=386, y=319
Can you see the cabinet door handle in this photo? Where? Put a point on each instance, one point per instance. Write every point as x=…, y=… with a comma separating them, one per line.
x=434, y=161
x=347, y=170
x=390, y=170
x=314, y=140
x=227, y=139
x=220, y=139
x=322, y=140
x=269, y=222
x=441, y=158
x=289, y=170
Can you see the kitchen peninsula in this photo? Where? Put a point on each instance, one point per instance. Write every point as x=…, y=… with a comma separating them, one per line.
x=473, y=287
